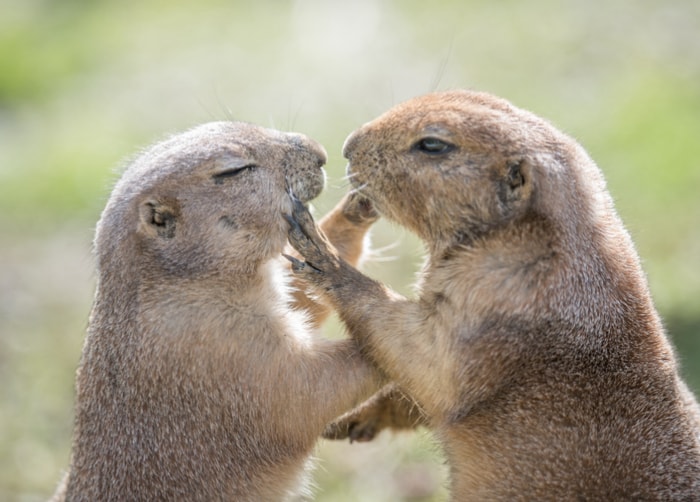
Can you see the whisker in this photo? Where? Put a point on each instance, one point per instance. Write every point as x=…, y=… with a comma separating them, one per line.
x=207, y=110
x=442, y=67
x=376, y=255
x=346, y=181
x=359, y=189
x=388, y=247
x=227, y=112
x=295, y=116
x=341, y=186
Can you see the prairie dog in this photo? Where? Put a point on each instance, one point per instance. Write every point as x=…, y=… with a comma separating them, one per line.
x=198, y=380
x=533, y=347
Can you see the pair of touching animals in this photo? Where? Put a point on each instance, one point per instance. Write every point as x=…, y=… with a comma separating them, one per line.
x=533, y=349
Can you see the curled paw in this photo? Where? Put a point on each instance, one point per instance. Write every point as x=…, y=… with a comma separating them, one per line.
x=355, y=430
x=319, y=255
x=390, y=408
x=359, y=210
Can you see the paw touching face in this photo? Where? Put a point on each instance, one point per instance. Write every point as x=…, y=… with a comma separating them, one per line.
x=436, y=164
x=213, y=197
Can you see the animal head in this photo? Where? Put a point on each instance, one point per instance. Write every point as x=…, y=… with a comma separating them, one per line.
x=209, y=200
x=452, y=166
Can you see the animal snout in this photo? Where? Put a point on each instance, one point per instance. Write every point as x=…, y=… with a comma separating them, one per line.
x=309, y=147
x=351, y=144
x=304, y=168
x=306, y=184
x=359, y=141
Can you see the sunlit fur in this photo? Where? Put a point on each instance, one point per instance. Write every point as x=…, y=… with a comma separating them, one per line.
x=533, y=347
x=198, y=381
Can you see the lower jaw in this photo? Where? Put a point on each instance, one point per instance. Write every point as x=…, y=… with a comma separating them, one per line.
x=306, y=192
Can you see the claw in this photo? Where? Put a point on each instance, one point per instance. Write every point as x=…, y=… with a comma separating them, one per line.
x=315, y=269
x=296, y=232
x=291, y=221
x=304, y=221
x=297, y=265
x=298, y=204
x=300, y=266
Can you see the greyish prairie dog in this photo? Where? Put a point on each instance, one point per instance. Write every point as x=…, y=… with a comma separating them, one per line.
x=533, y=347
x=198, y=381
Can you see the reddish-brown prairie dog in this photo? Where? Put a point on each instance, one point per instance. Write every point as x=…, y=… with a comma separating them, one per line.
x=533, y=346
x=198, y=380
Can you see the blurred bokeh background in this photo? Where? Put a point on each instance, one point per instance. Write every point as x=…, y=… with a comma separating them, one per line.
x=85, y=84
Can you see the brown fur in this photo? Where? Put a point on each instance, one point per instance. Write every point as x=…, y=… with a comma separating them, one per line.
x=533, y=347
x=198, y=381
x=346, y=227
x=389, y=408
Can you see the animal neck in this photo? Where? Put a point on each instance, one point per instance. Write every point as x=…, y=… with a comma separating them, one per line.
x=131, y=294
x=241, y=288
x=535, y=269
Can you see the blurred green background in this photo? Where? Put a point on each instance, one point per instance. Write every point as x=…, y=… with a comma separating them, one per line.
x=85, y=84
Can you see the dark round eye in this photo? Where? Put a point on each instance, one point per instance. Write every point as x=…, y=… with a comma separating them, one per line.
x=433, y=146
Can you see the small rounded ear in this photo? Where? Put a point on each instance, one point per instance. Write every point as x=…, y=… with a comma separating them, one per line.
x=516, y=181
x=515, y=176
x=158, y=218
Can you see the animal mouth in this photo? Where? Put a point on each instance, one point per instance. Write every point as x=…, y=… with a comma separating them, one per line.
x=357, y=183
x=307, y=187
x=364, y=189
x=353, y=177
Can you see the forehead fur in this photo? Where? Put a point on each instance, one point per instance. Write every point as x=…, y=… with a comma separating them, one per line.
x=182, y=152
x=476, y=118
x=489, y=133
x=173, y=157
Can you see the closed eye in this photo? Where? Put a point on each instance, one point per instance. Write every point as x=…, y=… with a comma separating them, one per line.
x=433, y=146
x=230, y=173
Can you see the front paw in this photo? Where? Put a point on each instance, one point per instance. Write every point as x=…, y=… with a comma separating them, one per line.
x=319, y=255
x=353, y=428
x=359, y=210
